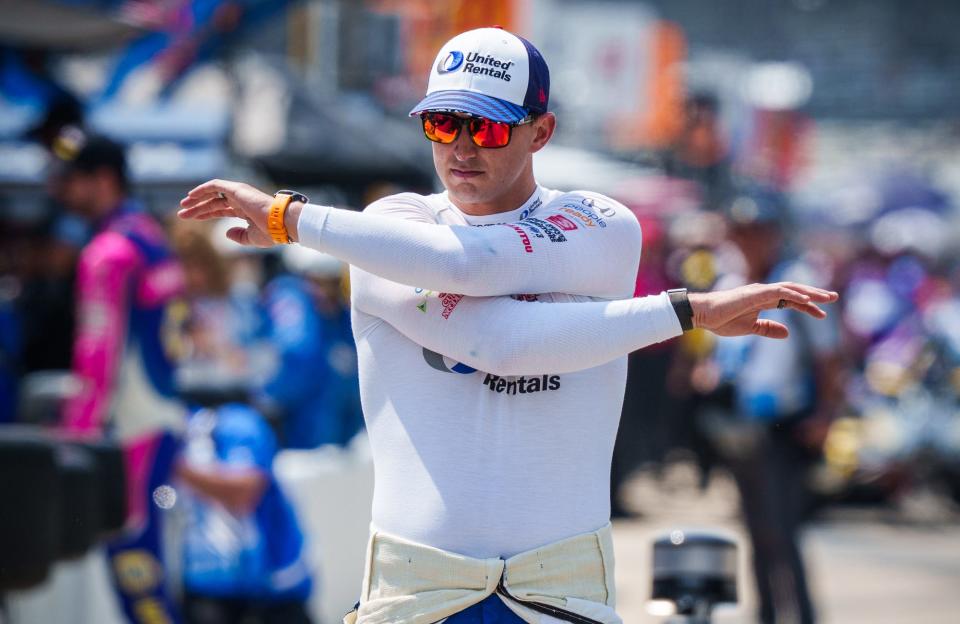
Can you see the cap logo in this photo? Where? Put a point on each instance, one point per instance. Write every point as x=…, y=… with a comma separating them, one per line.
x=450, y=62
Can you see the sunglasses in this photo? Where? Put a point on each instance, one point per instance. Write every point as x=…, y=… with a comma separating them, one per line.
x=445, y=128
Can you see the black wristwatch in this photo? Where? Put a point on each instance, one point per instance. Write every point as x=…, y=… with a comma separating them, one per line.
x=681, y=305
x=294, y=196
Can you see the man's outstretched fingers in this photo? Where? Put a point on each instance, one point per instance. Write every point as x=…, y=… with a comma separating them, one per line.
x=818, y=295
x=807, y=308
x=200, y=209
x=772, y=297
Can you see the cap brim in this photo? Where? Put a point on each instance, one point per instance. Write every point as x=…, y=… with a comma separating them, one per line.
x=472, y=104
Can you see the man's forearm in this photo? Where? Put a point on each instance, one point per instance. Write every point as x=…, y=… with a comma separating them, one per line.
x=530, y=256
x=503, y=336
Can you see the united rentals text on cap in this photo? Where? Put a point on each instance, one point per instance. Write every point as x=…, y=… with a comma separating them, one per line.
x=475, y=59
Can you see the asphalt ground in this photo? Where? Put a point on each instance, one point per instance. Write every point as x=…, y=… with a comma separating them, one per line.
x=865, y=565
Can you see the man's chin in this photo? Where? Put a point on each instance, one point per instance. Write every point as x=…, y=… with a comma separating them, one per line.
x=467, y=192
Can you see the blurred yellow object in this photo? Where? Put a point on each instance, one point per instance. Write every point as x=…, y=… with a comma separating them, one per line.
x=698, y=343
x=699, y=269
x=841, y=448
x=174, y=330
x=887, y=378
x=345, y=282
x=137, y=571
x=68, y=144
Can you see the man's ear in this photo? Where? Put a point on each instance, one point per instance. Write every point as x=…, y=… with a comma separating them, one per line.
x=544, y=127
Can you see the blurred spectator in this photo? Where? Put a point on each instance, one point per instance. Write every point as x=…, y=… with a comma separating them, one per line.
x=315, y=387
x=46, y=300
x=220, y=329
x=700, y=152
x=243, y=547
x=286, y=346
x=127, y=279
x=781, y=396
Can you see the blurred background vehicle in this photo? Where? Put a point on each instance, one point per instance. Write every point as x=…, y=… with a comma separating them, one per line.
x=842, y=114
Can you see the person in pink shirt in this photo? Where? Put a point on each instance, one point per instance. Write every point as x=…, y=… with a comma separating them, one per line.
x=127, y=281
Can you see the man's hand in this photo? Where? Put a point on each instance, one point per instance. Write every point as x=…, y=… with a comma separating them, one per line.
x=735, y=312
x=222, y=198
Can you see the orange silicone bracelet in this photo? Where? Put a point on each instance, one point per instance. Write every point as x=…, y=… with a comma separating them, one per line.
x=276, y=227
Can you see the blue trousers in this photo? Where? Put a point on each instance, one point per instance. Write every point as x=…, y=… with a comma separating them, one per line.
x=490, y=610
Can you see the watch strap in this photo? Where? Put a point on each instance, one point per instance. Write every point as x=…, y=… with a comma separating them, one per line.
x=681, y=305
x=276, y=227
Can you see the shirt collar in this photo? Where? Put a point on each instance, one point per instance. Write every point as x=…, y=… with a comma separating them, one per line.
x=518, y=214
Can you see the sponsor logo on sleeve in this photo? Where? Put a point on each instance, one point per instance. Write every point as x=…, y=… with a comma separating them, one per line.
x=583, y=215
x=552, y=231
x=445, y=364
x=449, y=302
x=527, y=247
x=422, y=305
x=562, y=222
x=604, y=209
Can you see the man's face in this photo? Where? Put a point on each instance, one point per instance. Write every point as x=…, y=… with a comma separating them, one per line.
x=760, y=243
x=78, y=192
x=476, y=175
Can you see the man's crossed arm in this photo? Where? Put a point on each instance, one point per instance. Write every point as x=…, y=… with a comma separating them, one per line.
x=413, y=247
x=581, y=243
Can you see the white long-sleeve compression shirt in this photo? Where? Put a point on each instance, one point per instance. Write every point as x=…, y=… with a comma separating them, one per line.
x=491, y=422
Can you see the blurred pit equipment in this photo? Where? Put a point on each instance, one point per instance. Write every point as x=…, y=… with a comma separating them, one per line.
x=694, y=572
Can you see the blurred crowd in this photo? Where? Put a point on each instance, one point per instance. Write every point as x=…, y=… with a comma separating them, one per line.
x=860, y=408
x=875, y=385
x=168, y=326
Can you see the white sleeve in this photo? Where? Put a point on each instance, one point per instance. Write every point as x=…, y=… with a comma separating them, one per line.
x=504, y=336
x=581, y=243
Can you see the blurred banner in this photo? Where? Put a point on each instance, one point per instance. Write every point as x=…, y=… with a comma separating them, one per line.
x=427, y=25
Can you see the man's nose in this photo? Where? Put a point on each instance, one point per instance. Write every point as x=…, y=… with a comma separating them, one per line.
x=464, y=148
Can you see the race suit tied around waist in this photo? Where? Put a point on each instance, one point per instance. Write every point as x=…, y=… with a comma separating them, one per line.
x=410, y=583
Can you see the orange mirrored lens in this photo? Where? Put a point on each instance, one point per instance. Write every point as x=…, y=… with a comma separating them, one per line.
x=441, y=128
x=444, y=128
x=486, y=133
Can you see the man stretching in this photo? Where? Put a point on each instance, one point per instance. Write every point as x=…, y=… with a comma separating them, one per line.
x=492, y=323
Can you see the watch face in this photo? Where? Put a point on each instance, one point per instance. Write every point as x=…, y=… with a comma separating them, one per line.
x=300, y=197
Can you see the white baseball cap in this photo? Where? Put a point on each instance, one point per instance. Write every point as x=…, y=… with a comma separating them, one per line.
x=488, y=72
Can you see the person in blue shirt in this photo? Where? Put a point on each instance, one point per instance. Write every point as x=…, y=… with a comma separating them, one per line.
x=243, y=547
x=782, y=396
x=315, y=388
